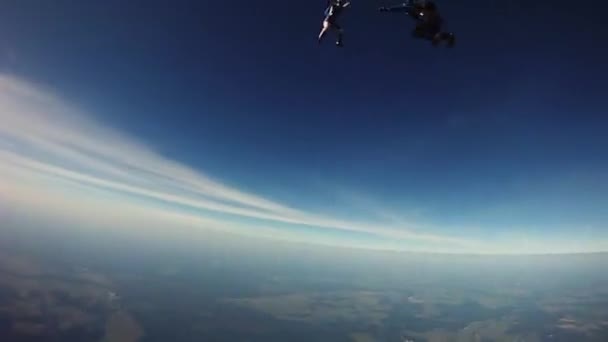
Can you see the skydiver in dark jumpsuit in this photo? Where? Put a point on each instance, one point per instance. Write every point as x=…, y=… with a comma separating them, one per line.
x=429, y=21
x=332, y=13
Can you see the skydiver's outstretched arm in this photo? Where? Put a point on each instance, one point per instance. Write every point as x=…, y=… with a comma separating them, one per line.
x=404, y=8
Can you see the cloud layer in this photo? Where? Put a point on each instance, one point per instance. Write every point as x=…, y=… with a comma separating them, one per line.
x=57, y=157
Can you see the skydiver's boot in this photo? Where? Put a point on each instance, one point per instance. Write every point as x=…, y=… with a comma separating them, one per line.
x=436, y=39
x=339, y=41
x=451, y=39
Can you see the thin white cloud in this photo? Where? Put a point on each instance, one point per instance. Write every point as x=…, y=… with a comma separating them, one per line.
x=51, y=141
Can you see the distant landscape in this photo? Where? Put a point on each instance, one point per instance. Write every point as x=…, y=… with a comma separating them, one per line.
x=47, y=296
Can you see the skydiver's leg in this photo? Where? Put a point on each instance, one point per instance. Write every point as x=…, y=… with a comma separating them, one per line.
x=436, y=39
x=433, y=32
x=450, y=38
x=340, y=33
x=324, y=29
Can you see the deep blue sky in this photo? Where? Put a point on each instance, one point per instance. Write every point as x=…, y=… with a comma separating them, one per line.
x=506, y=130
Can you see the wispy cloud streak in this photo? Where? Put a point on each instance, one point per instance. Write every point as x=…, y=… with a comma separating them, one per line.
x=44, y=136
